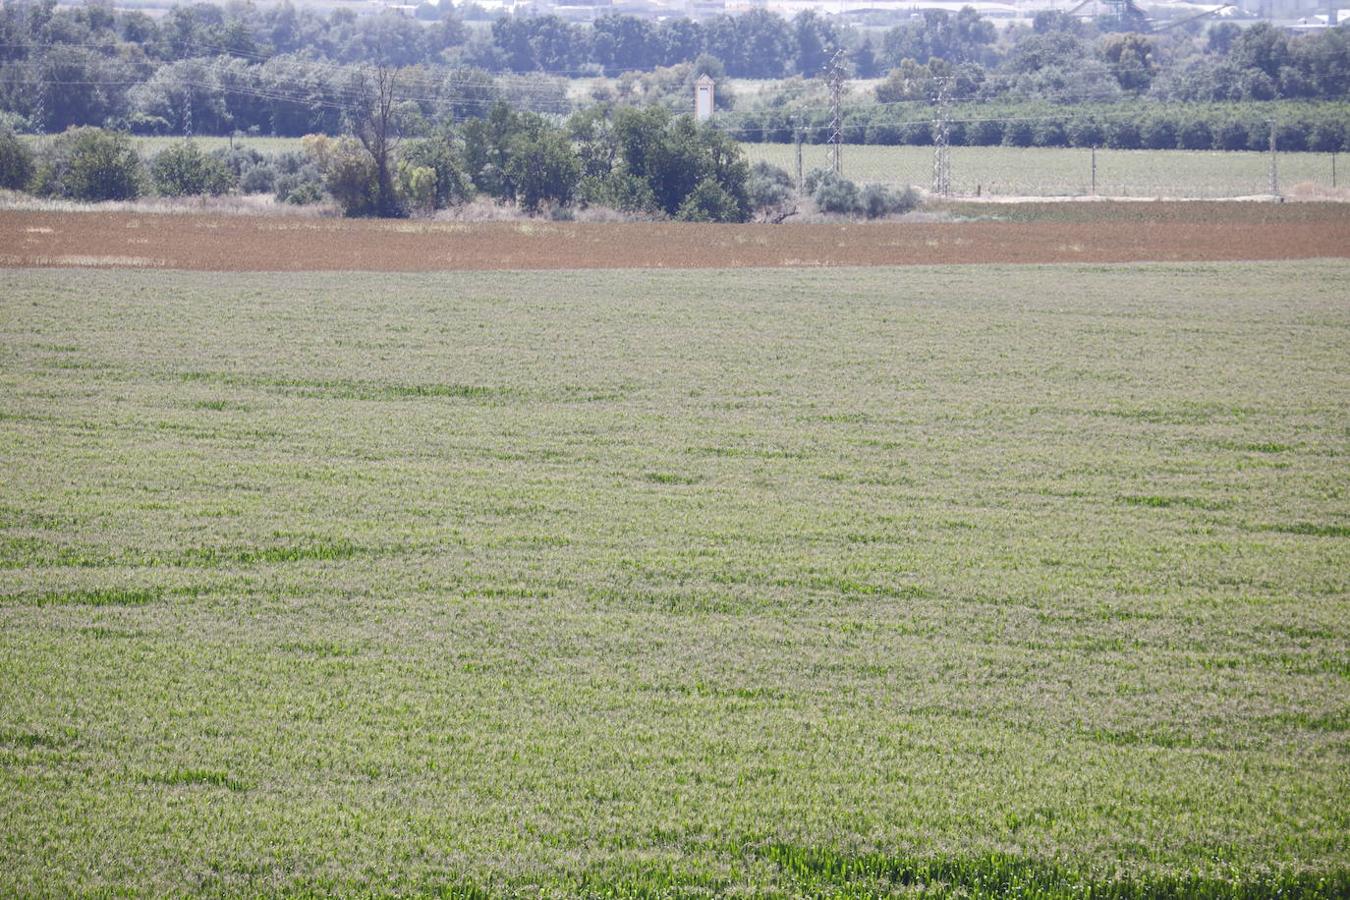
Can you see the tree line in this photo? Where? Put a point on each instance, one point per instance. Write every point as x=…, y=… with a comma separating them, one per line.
x=644, y=162
x=290, y=71
x=1141, y=125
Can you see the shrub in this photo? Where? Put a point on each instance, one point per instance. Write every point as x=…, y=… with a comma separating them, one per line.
x=1086, y=133
x=416, y=186
x=709, y=202
x=300, y=188
x=1195, y=135
x=916, y=134
x=451, y=184
x=1159, y=133
x=1051, y=133
x=884, y=133
x=90, y=164
x=985, y=134
x=1232, y=135
x=1018, y=134
x=182, y=169
x=878, y=201
x=348, y=172
x=1327, y=137
x=1292, y=136
x=834, y=194
x=619, y=190
x=298, y=180
x=1123, y=134
x=260, y=178
x=16, y=161
x=768, y=186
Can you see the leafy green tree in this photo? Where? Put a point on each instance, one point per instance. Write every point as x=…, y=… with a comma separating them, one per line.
x=1263, y=47
x=674, y=155
x=90, y=164
x=592, y=132
x=543, y=167
x=708, y=202
x=815, y=41
x=182, y=169
x=1131, y=59
x=441, y=156
x=348, y=171
x=16, y=161
x=622, y=43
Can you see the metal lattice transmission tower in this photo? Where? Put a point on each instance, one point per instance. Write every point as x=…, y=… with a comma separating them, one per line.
x=942, y=150
x=835, y=76
x=40, y=104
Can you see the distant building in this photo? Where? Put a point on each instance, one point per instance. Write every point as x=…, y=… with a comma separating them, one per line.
x=703, y=98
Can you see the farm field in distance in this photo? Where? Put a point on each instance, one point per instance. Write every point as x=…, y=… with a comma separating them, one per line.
x=976, y=579
x=1067, y=171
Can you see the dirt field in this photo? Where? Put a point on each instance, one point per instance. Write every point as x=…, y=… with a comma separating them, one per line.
x=1105, y=233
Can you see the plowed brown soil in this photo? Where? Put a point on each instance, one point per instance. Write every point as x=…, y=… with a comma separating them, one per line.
x=1159, y=232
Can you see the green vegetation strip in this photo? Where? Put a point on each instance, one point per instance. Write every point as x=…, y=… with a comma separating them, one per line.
x=1021, y=581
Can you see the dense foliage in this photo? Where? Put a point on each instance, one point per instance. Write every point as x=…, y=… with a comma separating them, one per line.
x=289, y=71
x=90, y=164
x=1142, y=124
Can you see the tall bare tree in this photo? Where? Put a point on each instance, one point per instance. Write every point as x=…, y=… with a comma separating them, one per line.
x=375, y=126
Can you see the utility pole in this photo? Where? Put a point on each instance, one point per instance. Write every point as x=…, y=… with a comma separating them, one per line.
x=1274, y=166
x=1094, y=170
x=942, y=151
x=1333, y=168
x=835, y=77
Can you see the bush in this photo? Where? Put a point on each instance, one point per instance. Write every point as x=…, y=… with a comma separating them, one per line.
x=1018, y=134
x=1086, y=133
x=183, y=170
x=16, y=161
x=298, y=180
x=1123, y=134
x=769, y=187
x=260, y=178
x=878, y=201
x=1195, y=135
x=416, y=186
x=834, y=194
x=885, y=133
x=451, y=184
x=988, y=133
x=90, y=164
x=619, y=190
x=1158, y=133
x=1051, y=133
x=1232, y=135
x=301, y=188
x=1327, y=137
x=916, y=134
x=1292, y=136
x=709, y=202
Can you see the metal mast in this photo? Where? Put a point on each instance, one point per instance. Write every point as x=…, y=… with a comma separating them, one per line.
x=834, y=77
x=942, y=154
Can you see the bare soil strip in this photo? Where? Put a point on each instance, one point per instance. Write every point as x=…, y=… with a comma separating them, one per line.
x=1133, y=232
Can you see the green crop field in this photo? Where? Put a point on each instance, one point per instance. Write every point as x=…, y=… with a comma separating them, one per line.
x=981, y=580
x=1049, y=172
